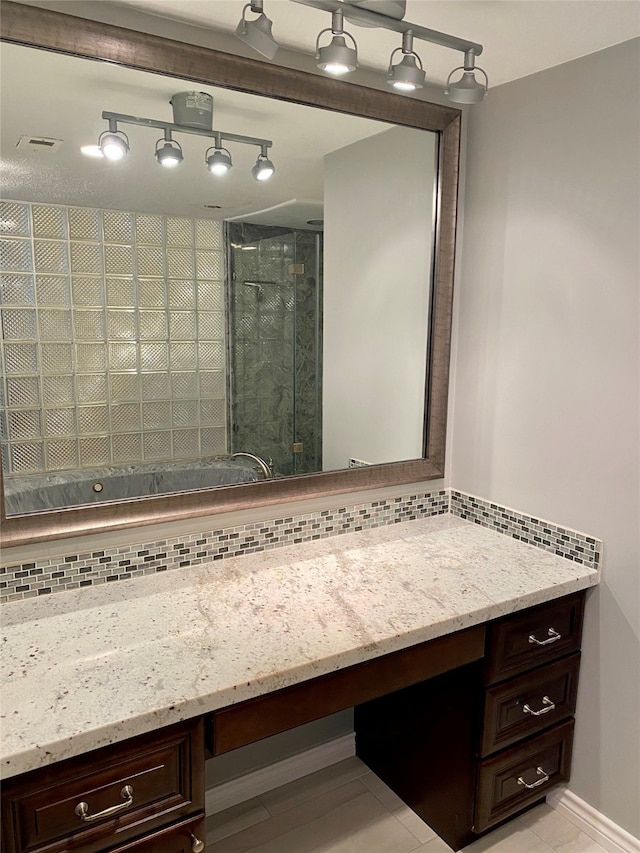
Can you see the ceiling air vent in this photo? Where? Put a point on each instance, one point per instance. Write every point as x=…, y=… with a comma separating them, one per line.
x=38, y=143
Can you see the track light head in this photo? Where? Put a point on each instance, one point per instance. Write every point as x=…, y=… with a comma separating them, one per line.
x=114, y=144
x=257, y=34
x=467, y=90
x=408, y=74
x=170, y=155
x=337, y=58
x=218, y=163
x=263, y=168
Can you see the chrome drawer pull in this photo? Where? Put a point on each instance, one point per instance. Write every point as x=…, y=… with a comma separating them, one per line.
x=550, y=706
x=82, y=809
x=540, y=772
x=553, y=638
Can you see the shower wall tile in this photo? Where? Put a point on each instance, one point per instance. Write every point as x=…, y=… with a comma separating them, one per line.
x=87, y=291
x=17, y=289
x=56, y=358
x=50, y=256
x=118, y=226
x=15, y=255
x=49, y=221
x=14, y=219
x=150, y=229
x=85, y=223
x=86, y=258
x=208, y=235
x=211, y=296
x=100, y=333
x=53, y=290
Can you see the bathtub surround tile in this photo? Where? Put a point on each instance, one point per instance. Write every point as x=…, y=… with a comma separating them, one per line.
x=224, y=543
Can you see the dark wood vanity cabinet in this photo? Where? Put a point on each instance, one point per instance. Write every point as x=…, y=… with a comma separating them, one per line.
x=479, y=744
x=144, y=795
x=468, y=729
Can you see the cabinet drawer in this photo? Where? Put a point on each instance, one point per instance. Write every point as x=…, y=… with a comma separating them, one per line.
x=154, y=780
x=533, y=637
x=525, y=705
x=179, y=838
x=513, y=779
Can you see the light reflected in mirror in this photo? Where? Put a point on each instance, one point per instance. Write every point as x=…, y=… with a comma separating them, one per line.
x=166, y=330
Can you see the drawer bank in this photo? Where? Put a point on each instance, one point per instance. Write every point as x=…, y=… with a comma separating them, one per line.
x=468, y=718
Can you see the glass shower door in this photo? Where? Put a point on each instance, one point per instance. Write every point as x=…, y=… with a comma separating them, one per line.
x=273, y=347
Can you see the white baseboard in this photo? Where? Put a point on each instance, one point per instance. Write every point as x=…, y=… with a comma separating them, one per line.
x=592, y=822
x=280, y=773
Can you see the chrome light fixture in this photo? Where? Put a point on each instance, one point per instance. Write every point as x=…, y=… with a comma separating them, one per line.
x=263, y=168
x=257, y=34
x=170, y=155
x=114, y=144
x=467, y=90
x=406, y=75
x=337, y=58
x=218, y=163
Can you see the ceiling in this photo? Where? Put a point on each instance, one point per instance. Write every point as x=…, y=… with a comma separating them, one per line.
x=520, y=37
x=69, y=108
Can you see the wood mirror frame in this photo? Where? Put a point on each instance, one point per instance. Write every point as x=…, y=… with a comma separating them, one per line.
x=41, y=28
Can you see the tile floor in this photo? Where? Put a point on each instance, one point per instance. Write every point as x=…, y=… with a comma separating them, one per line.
x=346, y=809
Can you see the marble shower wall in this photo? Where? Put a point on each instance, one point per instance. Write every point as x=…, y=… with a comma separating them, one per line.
x=113, y=338
x=275, y=344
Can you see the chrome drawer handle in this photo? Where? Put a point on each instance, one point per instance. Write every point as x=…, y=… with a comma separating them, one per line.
x=82, y=809
x=553, y=638
x=540, y=772
x=197, y=846
x=550, y=706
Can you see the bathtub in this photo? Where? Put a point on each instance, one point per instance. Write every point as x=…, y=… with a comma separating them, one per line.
x=37, y=492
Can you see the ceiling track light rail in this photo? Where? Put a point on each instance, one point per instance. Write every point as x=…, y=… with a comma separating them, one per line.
x=115, y=143
x=338, y=58
x=357, y=14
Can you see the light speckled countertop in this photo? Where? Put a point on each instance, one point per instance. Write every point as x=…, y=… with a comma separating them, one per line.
x=90, y=667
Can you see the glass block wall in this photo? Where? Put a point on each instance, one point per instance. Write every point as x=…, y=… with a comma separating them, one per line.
x=113, y=338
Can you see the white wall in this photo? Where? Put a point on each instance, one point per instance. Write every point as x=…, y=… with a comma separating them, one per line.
x=546, y=400
x=378, y=201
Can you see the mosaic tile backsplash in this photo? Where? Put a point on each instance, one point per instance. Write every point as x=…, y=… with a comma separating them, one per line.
x=86, y=569
x=113, y=338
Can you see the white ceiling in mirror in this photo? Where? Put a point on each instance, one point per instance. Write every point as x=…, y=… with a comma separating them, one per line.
x=70, y=109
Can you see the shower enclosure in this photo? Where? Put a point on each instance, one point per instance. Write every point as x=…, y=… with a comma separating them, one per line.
x=274, y=290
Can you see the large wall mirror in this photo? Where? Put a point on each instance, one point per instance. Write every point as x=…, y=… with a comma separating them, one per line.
x=178, y=343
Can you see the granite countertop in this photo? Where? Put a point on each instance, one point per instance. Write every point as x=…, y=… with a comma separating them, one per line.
x=90, y=667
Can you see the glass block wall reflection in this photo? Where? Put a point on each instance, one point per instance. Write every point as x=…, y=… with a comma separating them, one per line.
x=113, y=338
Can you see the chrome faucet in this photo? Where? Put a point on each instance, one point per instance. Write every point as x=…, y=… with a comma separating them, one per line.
x=265, y=467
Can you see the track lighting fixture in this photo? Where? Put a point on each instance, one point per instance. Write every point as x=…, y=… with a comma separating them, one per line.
x=337, y=58
x=406, y=76
x=257, y=34
x=194, y=113
x=113, y=143
x=170, y=155
x=467, y=90
x=218, y=163
x=263, y=168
